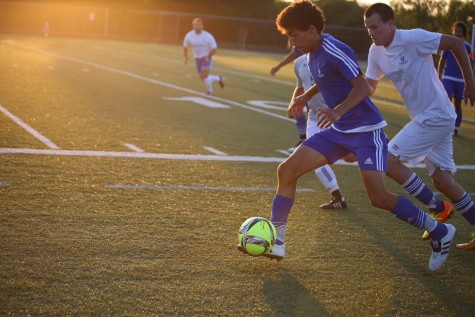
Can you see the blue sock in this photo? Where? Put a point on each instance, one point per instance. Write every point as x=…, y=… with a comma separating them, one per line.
x=458, y=120
x=420, y=191
x=438, y=232
x=410, y=213
x=465, y=206
x=281, y=207
x=301, y=123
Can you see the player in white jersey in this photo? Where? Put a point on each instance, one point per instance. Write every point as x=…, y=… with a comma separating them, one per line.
x=325, y=173
x=204, y=48
x=405, y=57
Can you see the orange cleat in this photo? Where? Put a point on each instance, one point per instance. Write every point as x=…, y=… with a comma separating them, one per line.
x=440, y=217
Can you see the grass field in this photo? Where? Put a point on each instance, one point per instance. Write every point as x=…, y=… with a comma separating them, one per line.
x=122, y=189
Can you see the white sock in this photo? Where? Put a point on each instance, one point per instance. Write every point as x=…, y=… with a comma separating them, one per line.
x=326, y=175
x=209, y=83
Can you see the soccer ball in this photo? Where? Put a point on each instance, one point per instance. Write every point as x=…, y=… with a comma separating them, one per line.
x=256, y=236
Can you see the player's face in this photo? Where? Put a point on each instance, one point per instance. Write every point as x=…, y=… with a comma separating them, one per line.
x=382, y=33
x=197, y=26
x=304, y=41
x=458, y=32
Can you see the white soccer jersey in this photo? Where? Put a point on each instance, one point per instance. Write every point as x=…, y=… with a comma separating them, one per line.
x=305, y=81
x=201, y=43
x=408, y=63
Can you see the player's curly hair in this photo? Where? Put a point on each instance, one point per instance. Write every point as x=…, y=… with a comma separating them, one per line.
x=300, y=15
x=460, y=24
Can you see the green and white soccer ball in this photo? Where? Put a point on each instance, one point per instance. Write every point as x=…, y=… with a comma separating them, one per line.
x=257, y=235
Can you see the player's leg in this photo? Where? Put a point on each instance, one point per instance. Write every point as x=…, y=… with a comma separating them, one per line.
x=302, y=161
x=441, y=234
x=301, y=125
x=412, y=144
x=458, y=97
x=371, y=152
x=326, y=175
x=442, y=169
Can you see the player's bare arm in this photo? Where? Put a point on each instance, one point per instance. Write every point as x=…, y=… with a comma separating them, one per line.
x=300, y=101
x=298, y=91
x=360, y=90
x=373, y=84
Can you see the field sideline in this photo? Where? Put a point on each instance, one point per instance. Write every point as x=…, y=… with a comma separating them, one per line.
x=123, y=186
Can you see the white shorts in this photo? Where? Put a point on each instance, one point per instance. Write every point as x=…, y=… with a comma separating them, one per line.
x=312, y=128
x=433, y=144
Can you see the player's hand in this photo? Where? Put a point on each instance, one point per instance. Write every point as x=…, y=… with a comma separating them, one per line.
x=469, y=94
x=274, y=70
x=326, y=117
x=296, y=106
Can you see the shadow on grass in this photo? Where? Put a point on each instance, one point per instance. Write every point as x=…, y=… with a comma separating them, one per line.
x=287, y=297
x=435, y=282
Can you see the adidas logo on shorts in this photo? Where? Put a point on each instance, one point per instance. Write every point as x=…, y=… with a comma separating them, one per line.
x=368, y=161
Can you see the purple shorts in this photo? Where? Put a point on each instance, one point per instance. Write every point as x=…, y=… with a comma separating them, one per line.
x=454, y=89
x=370, y=148
x=201, y=63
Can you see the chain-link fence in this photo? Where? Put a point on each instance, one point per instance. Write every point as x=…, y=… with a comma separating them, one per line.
x=155, y=26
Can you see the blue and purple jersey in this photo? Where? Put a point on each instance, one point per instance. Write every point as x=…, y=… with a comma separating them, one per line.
x=333, y=65
x=452, y=69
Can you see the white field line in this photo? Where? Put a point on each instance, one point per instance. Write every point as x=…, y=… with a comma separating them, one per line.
x=28, y=128
x=147, y=79
x=124, y=186
x=213, y=150
x=166, y=156
x=134, y=148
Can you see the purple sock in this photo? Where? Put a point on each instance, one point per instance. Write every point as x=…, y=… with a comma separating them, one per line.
x=281, y=207
x=410, y=213
x=465, y=206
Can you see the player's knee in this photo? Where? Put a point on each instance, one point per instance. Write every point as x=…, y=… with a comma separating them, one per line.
x=285, y=172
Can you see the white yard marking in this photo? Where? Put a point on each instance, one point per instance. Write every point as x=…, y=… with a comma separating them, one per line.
x=212, y=150
x=28, y=128
x=134, y=148
x=201, y=101
x=268, y=104
x=199, y=188
x=166, y=156
x=147, y=79
x=285, y=152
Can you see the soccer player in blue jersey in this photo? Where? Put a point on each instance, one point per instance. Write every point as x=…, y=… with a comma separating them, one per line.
x=451, y=75
x=204, y=48
x=354, y=125
x=405, y=57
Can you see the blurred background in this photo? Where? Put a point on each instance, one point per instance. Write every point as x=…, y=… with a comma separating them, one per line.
x=236, y=24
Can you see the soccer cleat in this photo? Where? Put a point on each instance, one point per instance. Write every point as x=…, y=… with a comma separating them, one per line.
x=209, y=93
x=440, y=217
x=277, y=253
x=441, y=248
x=221, y=83
x=468, y=246
x=335, y=203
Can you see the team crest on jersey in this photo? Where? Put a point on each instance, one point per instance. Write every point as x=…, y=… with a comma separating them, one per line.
x=319, y=74
x=403, y=60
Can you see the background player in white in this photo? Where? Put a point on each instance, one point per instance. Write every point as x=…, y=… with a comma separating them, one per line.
x=405, y=57
x=325, y=173
x=204, y=48
x=451, y=75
